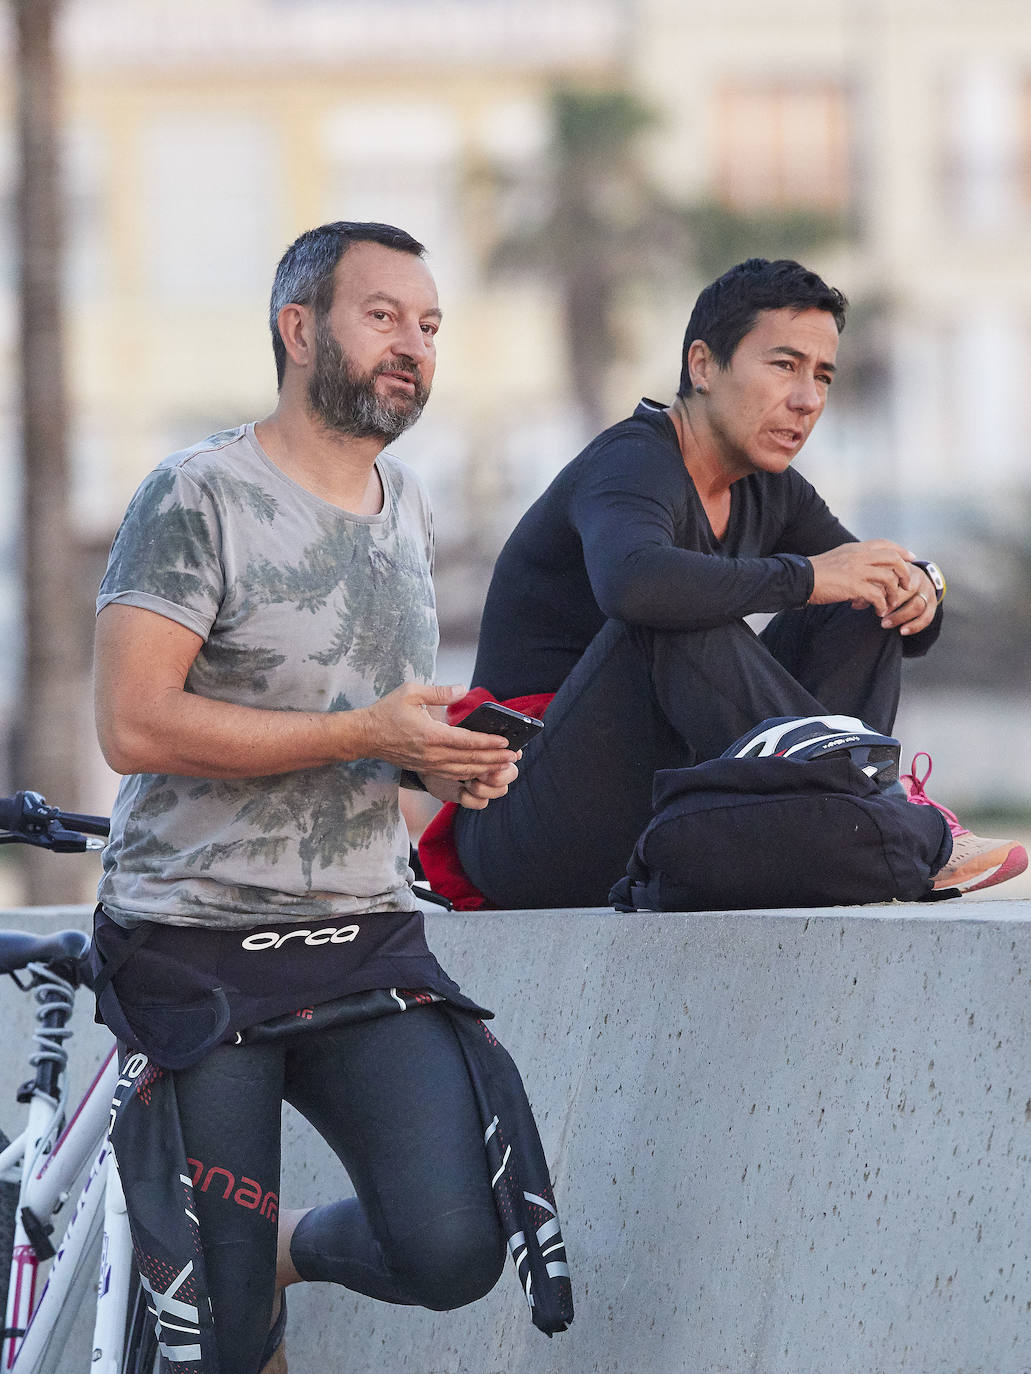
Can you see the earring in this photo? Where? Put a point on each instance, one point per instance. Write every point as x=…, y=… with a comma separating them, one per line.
x=702, y=390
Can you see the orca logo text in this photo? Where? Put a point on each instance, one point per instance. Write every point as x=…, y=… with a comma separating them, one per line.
x=330, y=935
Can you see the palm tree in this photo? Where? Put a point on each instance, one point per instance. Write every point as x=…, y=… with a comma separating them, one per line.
x=723, y=236
x=599, y=227
x=597, y=224
x=48, y=742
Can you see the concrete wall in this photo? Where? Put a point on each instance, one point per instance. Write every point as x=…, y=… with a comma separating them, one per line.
x=782, y=1143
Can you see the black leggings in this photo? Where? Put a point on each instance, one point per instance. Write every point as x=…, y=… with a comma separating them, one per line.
x=640, y=700
x=392, y=1098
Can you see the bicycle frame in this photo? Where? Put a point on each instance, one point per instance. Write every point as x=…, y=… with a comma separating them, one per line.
x=45, y=1169
x=46, y=1182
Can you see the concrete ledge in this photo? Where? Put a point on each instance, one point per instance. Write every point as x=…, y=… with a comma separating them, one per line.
x=782, y=1142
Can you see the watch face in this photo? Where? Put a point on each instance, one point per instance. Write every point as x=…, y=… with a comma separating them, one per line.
x=935, y=574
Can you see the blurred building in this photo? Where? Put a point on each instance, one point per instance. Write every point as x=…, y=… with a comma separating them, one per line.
x=912, y=120
x=201, y=138
x=202, y=135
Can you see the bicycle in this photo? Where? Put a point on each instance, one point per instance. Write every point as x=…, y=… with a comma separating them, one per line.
x=40, y=1167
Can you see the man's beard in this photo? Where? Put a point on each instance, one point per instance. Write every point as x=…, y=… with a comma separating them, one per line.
x=346, y=401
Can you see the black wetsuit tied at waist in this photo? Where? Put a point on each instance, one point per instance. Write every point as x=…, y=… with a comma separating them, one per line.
x=173, y=992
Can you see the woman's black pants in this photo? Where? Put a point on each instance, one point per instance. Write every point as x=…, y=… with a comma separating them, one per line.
x=640, y=700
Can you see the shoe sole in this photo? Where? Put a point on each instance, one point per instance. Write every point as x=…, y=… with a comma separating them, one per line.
x=1011, y=866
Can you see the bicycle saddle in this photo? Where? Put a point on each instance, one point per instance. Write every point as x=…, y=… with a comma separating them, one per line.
x=18, y=948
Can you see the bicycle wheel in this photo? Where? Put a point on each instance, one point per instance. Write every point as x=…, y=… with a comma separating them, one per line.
x=141, y=1355
x=8, y=1217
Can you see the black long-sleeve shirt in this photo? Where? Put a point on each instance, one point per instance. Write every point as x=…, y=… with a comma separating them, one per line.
x=621, y=533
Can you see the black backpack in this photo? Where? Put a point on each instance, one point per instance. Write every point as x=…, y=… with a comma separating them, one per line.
x=737, y=834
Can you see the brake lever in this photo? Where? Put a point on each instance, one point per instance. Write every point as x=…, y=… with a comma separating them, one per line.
x=57, y=839
x=62, y=841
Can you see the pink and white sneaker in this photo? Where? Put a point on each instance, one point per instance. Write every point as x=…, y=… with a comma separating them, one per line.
x=975, y=862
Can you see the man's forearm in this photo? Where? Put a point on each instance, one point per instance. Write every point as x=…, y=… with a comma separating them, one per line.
x=192, y=736
x=147, y=721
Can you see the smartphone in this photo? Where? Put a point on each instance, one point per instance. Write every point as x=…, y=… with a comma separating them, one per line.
x=491, y=718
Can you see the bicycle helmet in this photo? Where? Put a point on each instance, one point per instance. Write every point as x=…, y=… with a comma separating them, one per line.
x=822, y=737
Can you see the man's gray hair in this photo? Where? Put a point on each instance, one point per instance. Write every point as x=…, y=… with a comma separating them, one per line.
x=305, y=272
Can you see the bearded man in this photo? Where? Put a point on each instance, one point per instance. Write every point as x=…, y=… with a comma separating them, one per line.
x=265, y=650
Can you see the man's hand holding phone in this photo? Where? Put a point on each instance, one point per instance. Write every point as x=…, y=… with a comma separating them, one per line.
x=490, y=718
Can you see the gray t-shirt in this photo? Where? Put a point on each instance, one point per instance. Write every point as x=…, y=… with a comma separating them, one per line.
x=302, y=606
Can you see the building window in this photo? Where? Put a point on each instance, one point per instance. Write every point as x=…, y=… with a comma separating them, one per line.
x=987, y=131
x=211, y=191
x=84, y=175
x=400, y=164
x=782, y=146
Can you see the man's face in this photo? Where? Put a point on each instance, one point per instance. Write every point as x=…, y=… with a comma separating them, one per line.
x=375, y=353
x=762, y=408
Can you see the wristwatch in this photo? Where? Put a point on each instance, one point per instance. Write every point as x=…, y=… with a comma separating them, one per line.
x=936, y=575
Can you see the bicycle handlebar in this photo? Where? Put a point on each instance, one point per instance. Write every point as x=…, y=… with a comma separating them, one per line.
x=11, y=811
x=29, y=819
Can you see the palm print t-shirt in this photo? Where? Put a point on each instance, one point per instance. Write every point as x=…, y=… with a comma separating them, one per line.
x=302, y=607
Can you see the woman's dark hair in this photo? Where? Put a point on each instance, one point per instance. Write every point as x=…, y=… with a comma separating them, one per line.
x=728, y=308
